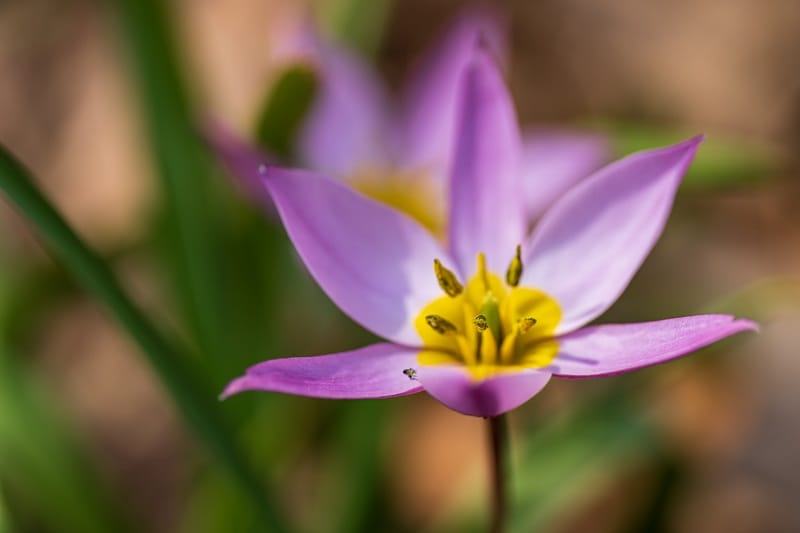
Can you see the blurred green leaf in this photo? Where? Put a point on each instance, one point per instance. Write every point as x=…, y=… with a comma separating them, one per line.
x=359, y=23
x=358, y=444
x=40, y=460
x=5, y=522
x=188, y=389
x=182, y=160
x=284, y=110
x=720, y=161
x=560, y=462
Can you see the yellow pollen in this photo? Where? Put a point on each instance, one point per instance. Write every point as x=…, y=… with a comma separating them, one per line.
x=488, y=325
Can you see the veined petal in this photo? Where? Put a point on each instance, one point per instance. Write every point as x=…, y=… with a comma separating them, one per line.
x=374, y=371
x=375, y=263
x=485, y=204
x=241, y=159
x=347, y=126
x=616, y=348
x=589, y=245
x=555, y=160
x=457, y=389
x=430, y=98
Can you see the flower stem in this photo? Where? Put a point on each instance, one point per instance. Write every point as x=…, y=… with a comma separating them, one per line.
x=498, y=450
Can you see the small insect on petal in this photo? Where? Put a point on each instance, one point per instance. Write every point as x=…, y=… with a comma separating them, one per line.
x=525, y=324
x=410, y=373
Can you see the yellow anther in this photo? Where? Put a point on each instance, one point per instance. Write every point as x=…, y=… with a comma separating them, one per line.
x=514, y=272
x=447, y=280
x=480, y=322
x=525, y=324
x=439, y=324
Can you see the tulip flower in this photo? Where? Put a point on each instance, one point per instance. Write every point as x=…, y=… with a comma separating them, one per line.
x=483, y=320
x=399, y=150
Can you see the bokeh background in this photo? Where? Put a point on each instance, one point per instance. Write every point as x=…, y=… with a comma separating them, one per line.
x=101, y=101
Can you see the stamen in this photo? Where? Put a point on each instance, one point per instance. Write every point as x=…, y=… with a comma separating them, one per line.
x=514, y=272
x=480, y=322
x=447, y=280
x=439, y=324
x=525, y=324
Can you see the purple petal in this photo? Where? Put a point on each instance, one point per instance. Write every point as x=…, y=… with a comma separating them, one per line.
x=375, y=263
x=371, y=372
x=430, y=98
x=485, y=204
x=553, y=161
x=454, y=387
x=241, y=159
x=616, y=348
x=589, y=245
x=347, y=126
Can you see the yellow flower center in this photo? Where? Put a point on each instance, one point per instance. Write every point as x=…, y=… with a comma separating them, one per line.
x=491, y=325
x=411, y=193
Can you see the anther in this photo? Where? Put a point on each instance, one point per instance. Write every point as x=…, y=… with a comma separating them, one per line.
x=525, y=324
x=447, y=280
x=480, y=322
x=439, y=324
x=514, y=272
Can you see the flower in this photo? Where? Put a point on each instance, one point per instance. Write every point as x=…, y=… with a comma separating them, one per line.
x=399, y=151
x=483, y=322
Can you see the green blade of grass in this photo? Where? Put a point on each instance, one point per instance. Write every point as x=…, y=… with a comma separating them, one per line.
x=186, y=387
x=192, y=214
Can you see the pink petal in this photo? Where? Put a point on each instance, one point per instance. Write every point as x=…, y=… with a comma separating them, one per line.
x=616, y=348
x=430, y=99
x=589, y=245
x=555, y=160
x=454, y=387
x=375, y=263
x=347, y=127
x=485, y=204
x=371, y=372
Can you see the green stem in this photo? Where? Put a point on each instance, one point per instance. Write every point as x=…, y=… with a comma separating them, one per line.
x=186, y=387
x=498, y=449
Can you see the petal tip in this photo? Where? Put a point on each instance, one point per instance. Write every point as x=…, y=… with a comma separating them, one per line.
x=236, y=386
x=745, y=324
